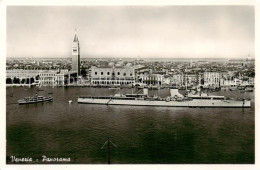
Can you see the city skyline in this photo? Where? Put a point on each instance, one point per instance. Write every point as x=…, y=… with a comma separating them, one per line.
x=131, y=31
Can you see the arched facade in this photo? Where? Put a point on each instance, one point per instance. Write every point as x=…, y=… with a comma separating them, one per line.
x=112, y=75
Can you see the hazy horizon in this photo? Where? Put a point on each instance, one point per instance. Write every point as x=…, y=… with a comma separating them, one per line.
x=131, y=31
x=134, y=58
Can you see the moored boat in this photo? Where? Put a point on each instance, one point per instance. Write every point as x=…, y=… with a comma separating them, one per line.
x=232, y=88
x=174, y=100
x=35, y=99
x=151, y=87
x=241, y=87
x=249, y=89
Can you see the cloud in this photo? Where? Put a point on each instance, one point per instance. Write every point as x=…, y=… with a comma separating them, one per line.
x=131, y=31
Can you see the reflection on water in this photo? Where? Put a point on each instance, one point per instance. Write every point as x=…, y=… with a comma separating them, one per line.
x=142, y=134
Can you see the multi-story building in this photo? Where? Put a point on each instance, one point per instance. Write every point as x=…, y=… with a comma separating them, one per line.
x=152, y=79
x=236, y=82
x=56, y=77
x=48, y=77
x=176, y=79
x=189, y=79
x=112, y=75
x=22, y=74
x=251, y=81
x=212, y=79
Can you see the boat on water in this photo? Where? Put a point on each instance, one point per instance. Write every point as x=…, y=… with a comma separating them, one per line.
x=35, y=99
x=114, y=88
x=140, y=87
x=232, y=88
x=194, y=99
x=241, y=87
x=153, y=87
x=249, y=89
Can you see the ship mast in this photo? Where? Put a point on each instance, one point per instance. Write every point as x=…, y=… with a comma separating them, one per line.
x=199, y=85
x=108, y=149
x=186, y=81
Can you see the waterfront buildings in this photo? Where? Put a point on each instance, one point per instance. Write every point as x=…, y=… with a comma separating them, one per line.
x=212, y=79
x=112, y=71
x=190, y=79
x=22, y=74
x=57, y=77
x=237, y=82
x=41, y=77
x=176, y=79
x=76, y=54
x=112, y=75
x=152, y=79
x=47, y=77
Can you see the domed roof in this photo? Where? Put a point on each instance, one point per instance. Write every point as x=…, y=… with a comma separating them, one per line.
x=111, y=64
x=121, y=63
x=128, y=64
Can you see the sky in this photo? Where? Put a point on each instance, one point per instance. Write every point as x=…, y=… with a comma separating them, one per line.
x=131, y=31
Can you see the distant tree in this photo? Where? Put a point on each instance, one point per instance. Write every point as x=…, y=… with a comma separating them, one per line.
x=83, y=72
x=8, y=81
x=245, y=78
x=202, y=81
x=66, y=81
x=252, y=74
x=27, y=81
x=31, y=80
x=71, y=80
x=23, y=81
x=16, y=81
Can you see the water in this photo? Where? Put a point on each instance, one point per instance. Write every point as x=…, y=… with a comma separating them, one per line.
x=141, y=134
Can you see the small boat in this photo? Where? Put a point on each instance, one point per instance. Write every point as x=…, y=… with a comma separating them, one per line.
x=215, y=89
x=114, y=88
x=232, y=88
x=35, y=99
x=249, y=89
x=241, y=87
x=153, y=87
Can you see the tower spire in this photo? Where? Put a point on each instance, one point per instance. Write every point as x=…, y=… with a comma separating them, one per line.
x=75, y=36
x=76, y=54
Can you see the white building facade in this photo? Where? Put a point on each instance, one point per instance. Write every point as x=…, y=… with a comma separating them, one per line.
x=22, y=74
x=112, y=75
x=211, y=79
x=48, y=78
x=152, y=79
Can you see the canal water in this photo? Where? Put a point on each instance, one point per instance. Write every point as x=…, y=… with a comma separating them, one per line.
x=142, y=135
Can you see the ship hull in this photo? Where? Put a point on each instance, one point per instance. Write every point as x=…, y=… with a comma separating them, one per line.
x=32, y=102
x=184, y=103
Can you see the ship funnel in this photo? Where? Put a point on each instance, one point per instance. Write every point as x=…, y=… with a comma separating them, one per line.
x=174, y=92
x=145, y=91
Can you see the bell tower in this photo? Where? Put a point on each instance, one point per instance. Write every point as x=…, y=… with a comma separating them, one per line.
x=76, y=54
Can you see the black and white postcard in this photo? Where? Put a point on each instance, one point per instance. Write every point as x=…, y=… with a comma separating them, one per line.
x=164, y=84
